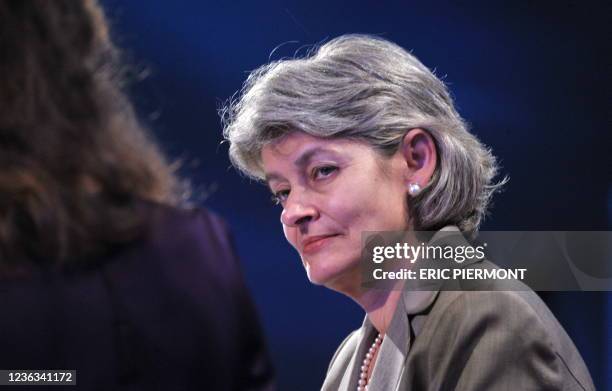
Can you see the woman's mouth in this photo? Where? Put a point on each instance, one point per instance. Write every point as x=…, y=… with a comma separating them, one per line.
x=315, y=243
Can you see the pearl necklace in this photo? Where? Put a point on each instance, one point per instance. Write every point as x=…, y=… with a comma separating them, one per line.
x=365, y=367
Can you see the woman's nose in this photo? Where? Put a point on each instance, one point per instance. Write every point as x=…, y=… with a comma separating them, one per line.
x=297, y=212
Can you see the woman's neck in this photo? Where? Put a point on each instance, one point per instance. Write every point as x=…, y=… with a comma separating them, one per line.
x=380, y=306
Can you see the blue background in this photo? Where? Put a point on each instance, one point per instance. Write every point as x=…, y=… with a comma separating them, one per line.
x=532, y=79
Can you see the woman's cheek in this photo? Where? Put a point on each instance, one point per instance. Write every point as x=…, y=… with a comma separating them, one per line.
x=347, y=211
x=291, y=235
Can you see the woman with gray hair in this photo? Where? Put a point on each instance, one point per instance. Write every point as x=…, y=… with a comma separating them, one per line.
x=360, y=136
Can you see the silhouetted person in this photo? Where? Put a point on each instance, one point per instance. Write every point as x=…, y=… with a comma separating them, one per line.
x=104, y=268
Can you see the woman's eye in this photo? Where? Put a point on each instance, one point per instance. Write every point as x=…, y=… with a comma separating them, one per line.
x=323, y=171
x=280, y=196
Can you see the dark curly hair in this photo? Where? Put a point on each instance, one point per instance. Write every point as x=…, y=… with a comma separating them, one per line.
x=75, y=163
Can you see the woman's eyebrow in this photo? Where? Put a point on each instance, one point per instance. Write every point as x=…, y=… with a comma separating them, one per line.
x=272, y=177
x=300, y=162
x=305, y=158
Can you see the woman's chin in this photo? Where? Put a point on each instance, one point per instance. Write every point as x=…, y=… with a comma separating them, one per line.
x=331, y=276
x=316, y=276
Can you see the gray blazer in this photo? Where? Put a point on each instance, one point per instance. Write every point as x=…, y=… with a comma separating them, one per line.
x=464, y=340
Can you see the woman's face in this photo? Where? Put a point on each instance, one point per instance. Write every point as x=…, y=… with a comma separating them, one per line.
x=332, y=190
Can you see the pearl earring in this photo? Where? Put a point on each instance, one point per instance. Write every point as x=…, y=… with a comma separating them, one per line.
x=414, y=189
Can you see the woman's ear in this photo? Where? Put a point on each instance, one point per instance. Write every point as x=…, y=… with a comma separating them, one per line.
x=421, y=156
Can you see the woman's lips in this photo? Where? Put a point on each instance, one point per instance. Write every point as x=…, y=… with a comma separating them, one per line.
x=315, y=243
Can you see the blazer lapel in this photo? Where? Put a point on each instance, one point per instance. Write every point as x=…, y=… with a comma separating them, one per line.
x=389, y=369
x=349, y=379
x=393, y=351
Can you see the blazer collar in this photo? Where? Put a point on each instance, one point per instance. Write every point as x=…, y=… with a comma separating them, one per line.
x=393, y=352
x=417, y=301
